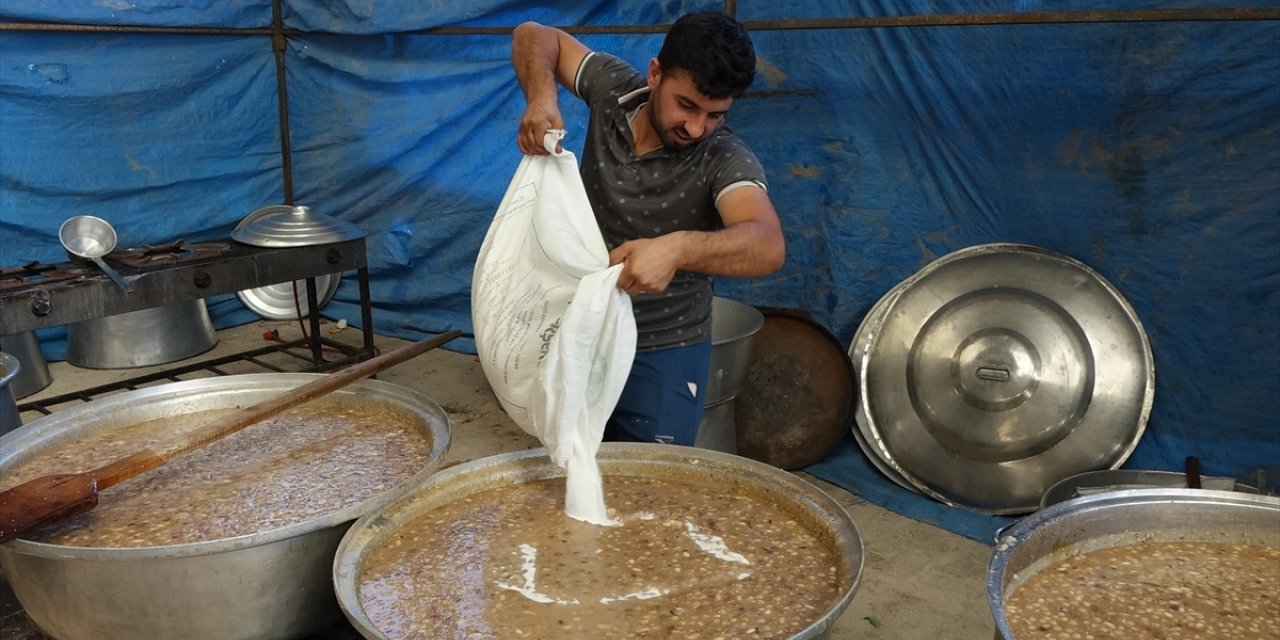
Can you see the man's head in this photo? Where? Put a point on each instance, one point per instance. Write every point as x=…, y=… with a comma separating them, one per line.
x=716, y=51
x=705, y=62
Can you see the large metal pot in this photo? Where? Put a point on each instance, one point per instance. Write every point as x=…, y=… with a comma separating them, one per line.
x=681, y=464
x=1101, y=521
x=271, y=584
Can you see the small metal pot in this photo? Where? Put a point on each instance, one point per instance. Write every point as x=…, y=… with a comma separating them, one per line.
x=681, y=464
x=33, y=372
x=1117, y=518
x=269, y=585
x=10, y=419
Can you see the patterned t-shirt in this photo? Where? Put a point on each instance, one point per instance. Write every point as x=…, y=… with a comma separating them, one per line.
x=663, y=191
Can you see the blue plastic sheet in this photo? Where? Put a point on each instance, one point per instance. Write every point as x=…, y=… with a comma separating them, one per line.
x=1147, y=150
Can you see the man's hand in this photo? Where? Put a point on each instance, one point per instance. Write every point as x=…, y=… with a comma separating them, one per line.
x=542, y=58
x=537, y=119
x=650, y=263
x=750, y=245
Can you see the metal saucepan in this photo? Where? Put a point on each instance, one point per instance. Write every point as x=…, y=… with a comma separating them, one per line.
x=91, y=237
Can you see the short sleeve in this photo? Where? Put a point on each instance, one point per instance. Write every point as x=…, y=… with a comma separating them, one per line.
x=732, y=164
x=603, y=78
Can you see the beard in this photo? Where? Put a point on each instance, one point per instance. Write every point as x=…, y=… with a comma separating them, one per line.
x=672, y=138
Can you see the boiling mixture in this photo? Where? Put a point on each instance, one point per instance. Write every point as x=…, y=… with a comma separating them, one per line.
x=1153, y=591
x=685, y=561
x=302, y=464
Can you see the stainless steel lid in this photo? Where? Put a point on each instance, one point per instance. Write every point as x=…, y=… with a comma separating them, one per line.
x=287, y=300
x=290, y=226
x=867, y=329
x=1000, y=369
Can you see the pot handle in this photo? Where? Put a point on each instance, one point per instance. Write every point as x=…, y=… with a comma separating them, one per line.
x=1002, y=530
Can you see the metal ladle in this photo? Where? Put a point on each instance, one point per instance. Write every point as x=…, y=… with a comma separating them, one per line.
x=92, y=237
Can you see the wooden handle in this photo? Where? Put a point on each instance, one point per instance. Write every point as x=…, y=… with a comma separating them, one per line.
x=226, y=426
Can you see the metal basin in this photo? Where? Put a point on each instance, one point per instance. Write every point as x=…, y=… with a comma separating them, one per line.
x=33, y=371
x=10, y=419
x=1090, y=523
x=733, y=329
x=682, y=464
x=733, y=325
x=142, y=338
x=268, y=585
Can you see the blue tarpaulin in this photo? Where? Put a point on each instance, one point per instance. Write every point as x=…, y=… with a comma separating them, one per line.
x=1146, y=148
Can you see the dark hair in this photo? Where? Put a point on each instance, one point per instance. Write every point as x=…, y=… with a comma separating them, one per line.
x=715, y=49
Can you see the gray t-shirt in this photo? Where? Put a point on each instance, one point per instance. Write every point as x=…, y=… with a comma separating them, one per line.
x=663, y=191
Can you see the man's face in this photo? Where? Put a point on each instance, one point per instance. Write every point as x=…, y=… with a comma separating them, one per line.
x=679, y=113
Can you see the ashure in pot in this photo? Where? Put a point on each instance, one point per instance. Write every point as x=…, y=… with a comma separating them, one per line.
x=270, y=584
x=705, y=559
x=1108, y=521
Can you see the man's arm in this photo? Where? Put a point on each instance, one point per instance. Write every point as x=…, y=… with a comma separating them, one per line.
x=750, y=244
x=542, y=56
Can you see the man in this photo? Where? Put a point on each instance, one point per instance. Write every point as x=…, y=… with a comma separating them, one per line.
x=678, y=197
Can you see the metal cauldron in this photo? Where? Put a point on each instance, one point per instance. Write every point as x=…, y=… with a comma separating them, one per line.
x=1117, y=518
x=268, y=585
x=681, y=464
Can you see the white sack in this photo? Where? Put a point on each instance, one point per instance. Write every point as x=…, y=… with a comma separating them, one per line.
x=555, y=335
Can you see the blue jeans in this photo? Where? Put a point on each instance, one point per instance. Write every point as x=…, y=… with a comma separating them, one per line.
x=663, y=398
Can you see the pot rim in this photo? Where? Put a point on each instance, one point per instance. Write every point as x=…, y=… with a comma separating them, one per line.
x=43, y=431
x=534, y=464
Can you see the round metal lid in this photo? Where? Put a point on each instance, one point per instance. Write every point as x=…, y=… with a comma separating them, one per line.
x=1001, y=369
x=290, y=226
x=277, y=301
x=867, y=329
x=797, y=401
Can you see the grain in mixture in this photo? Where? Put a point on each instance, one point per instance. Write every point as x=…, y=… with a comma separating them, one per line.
x=686, y=562
x=1153, y=591
x=300, y=465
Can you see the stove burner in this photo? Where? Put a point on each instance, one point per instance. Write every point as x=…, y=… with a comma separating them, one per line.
x=169, y=253
x=39, y=272
x=142, y=257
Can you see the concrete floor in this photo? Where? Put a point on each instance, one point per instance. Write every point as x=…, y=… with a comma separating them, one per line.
x=919, y=581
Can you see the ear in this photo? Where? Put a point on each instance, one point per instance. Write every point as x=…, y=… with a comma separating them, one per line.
x=655, y=74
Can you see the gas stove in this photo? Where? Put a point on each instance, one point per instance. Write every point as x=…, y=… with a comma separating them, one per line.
x=38, y=295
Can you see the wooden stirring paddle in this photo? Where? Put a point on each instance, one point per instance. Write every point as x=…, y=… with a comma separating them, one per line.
x=48, y=499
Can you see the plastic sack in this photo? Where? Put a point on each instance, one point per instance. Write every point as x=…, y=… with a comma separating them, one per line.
x=555, y=335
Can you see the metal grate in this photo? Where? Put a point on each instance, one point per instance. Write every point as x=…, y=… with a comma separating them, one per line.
x=301, y=355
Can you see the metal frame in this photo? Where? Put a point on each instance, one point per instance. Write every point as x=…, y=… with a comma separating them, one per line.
x=36, y=305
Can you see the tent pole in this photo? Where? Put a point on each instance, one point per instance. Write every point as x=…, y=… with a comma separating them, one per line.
x=278, y=46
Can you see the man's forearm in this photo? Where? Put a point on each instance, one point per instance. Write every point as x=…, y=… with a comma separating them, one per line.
x=744, y=250
x=535, y=49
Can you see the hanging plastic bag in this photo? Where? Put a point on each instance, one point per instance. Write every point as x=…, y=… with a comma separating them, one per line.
x=555, y=335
